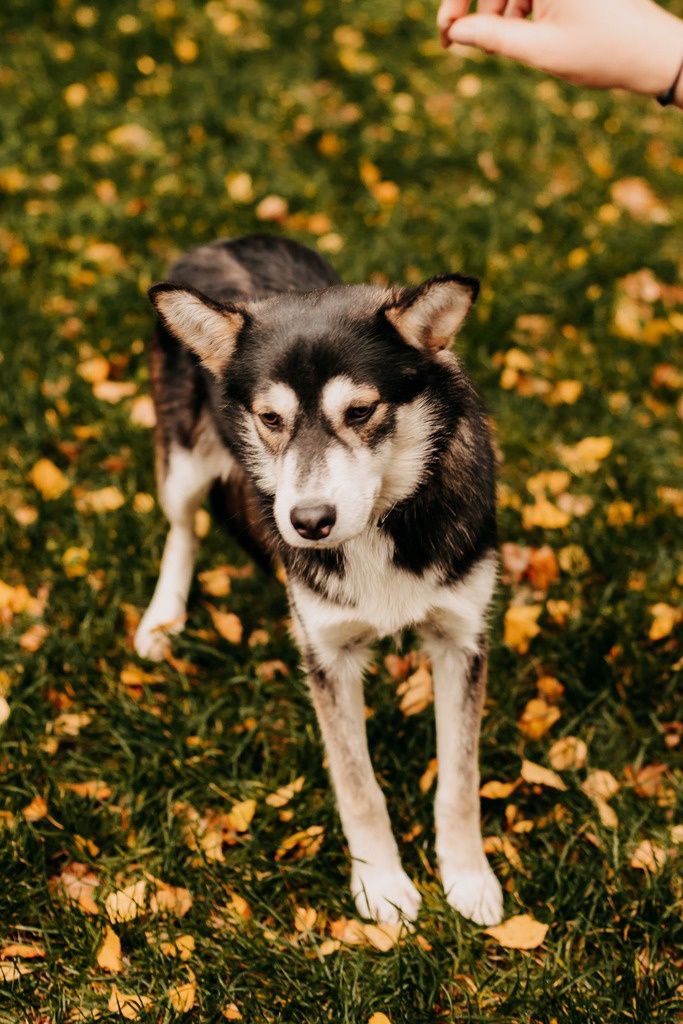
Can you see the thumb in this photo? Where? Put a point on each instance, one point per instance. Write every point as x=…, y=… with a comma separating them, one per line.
x=511, y=37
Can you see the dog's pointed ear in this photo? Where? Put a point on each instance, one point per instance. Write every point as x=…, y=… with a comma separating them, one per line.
x=207, y=328
x=428, y=316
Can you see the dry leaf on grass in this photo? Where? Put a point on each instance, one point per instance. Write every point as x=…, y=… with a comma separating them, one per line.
x=379, y=1018
x=231, y=1012
x=568, y=752
x=113, y=391
x=521, y=626
x=216, y=582
x=545, y=515
x=504, y=845
x=550, y=689
x=649, y=857
x=537, y=775
x=305, y=918
x=36, y=810
x=34, y=637
x=495, y=790
x=106, y=499
x=128, y=903
x=586, y=456
x=226, y=623
x=416, y=692
x=537, y=718
x=109, y=953
x=284, y=794
x=142, y=412
x=181, y=996
x=48, y=480
x=664, y=618
x=128, y=1004
x=92, y=789
x=600, y=785
x=77, y=884
x=22, y=950
x=12, y=972
x=305, y=843
x=520, y=932
x=542, y=569
x=95, y=369
x=428, y=776
x=240, y=815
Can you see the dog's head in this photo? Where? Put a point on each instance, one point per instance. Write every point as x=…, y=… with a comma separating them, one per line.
x=331, y=396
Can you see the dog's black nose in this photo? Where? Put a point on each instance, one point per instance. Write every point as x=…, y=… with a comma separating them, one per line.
x=313, y=521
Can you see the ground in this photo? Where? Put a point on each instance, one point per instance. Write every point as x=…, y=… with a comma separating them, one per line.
x=131, y=132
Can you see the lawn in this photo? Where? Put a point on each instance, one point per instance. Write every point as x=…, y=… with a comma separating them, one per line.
x=147, y=870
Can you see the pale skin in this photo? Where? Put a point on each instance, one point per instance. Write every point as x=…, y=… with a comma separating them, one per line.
x=605, y=44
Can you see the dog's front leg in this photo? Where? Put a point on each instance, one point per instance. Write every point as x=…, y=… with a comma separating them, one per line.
x=459, y=689
x=379, y=885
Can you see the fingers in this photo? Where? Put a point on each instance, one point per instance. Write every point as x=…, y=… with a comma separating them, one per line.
x=448, y=12
x=511, y=37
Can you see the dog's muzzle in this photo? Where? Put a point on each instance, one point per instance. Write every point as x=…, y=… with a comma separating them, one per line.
x=313, y=522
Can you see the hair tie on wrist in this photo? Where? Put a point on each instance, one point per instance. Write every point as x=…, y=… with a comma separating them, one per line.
x=665, y=99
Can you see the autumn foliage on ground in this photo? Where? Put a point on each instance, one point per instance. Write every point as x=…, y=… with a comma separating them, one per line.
x=169, y=846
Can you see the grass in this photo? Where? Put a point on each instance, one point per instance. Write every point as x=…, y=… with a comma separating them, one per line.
x=498, y=172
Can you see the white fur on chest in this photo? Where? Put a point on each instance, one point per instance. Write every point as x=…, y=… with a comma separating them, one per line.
x=377, y=595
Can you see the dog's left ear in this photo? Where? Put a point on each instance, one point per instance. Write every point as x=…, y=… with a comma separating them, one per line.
x=428, y=316
x=207, y=328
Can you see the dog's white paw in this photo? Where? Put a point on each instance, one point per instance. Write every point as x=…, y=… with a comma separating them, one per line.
x=384, y=893
x=151, y=636
x=476, y=894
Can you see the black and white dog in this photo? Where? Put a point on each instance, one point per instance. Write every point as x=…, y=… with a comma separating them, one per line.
x=335, y=429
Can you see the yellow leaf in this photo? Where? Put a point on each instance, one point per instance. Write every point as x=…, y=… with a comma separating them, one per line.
x=379, y=1018
x=240, y=187
x=664, y=618
x=128, y=1004
x=20, y=949
x=284, y=794
x=113, y=391
x=186, y=50
x=504, y=845
x=550, y=689
x=75, y=562
x=305, y=918
x=109, y=953
x=12, y=972
x=169, y=899
x=537, y=775
x=36, y=810
x=143, y=503
x=600, y=785
x=133, y=675
x=216, y=582
x=272, y=208
x=106, y=499
x=240, y=815
x=226, y=623
x=383, y=936
x=329, y=946
x=70, y=723
x=537, y=718
x=606, y=813
x=5, y=710
x=586, y=456
x=565, y=392
x=521, y=626
x=34, y=637
x=551, y=481
x=619, y=513
x=428, y=775
x=142, y=412
x=416, y=691
x=93, y=789
x=48, y=479
x=230, y=1012
x=635, y=195
x=78, y=884
x=649, y=857
x=568, y=752
x=545, y=515
x=93, y=370
x=302, y=844
x=128, y=903
x=495, y=790
x=520, y=932
x=132, y=137
x=182, y=996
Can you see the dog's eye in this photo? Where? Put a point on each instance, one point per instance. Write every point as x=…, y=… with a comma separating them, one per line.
x=358, y=414
x=271, y=420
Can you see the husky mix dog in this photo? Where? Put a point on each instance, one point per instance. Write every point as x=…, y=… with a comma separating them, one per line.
x=336, y=431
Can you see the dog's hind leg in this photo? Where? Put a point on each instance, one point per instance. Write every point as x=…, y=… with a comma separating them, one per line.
x=335, y=664
x=185, y=482
x=458, y=650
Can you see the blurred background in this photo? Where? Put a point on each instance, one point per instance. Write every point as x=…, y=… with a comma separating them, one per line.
x=131, y=132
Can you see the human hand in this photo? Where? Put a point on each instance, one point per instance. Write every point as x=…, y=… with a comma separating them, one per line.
x=630, y=44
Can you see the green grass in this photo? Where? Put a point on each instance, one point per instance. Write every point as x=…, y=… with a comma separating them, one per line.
x=499, y=173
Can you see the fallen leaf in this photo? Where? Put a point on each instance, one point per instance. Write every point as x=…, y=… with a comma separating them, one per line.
x=70, y=723
x=268, y=670
x=545, y=515
x=305, y=918
x=240, y=815
x=34, y=637
x=565, y=391
x=284, y=794
x=537, y=775
x=170, y=899
x=142, y=412
x=113, y=391
x=78, y=884
x=428, y=775
x=216, y=582
x=520, y=932
x=230, y=1012
x=648, y=780
x=75, y=562
x=550, y=689
x=93, y=789
x=109, y=953
x=128, y=1004
x=649, y=857
x=586, y=456
x=23, y=950
x=128, y=903
x=548, y=481
x=568, y=752
x=36, y=810
x=521, y=626
x=226, y=623
x=5, y=710
x=379, y=1018
x=537, y=718
x=182, y=996
x=495, y=790
x=106, y=499
x=383, y=936
x=416, y=691
x=93, y=370
x=504, y=845
x=600, y=785
x=515, y=560
x=133, y=675
x=635, y=195
x=542, y=569
x=48, y=480
x=12, y=972
x=272, y=208
x=664, y=618
x=305, y=843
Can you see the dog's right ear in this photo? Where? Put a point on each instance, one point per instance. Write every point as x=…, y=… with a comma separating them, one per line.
x=208, y=328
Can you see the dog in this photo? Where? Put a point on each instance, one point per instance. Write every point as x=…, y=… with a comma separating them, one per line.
x=337, y=432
